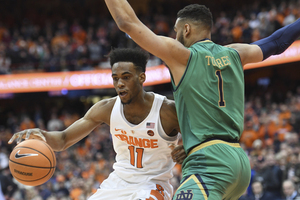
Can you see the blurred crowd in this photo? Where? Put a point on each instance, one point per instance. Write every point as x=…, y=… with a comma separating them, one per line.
x=270, y=138
x=271, y=129
x=72, y=42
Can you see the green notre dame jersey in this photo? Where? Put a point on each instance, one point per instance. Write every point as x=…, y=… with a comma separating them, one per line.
x=210, y=96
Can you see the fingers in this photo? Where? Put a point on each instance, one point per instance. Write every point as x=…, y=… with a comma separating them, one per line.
x=12, y=138
x=177, y=149
x=21, y=134
x=178, y=154
x=28, y=134
x=180, y=158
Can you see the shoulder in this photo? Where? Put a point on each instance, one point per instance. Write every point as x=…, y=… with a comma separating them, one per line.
x=249, y=53
x=169, y=118
x=168, y=104
x=106, y=103
x=101, y=111
x=168, y=110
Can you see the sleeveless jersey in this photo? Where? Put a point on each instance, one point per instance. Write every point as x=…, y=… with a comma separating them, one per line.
x=142, y=151
x=210, y=95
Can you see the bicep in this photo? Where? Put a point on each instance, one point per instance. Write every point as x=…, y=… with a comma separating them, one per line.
x=248, y=53
x=168, y=49
x=95, y=116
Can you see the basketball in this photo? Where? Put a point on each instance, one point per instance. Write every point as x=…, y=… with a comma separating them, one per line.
x=32, y=162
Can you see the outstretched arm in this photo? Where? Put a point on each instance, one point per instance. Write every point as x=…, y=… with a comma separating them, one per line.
x=280, y=40
x=61, y=140
x=172, y=52
x=275, y=44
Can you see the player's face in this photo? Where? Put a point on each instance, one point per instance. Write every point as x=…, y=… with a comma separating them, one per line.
x=178, y=28
x=127, y=81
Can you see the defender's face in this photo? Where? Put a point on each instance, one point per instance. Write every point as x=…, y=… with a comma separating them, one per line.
x=126, y=81
x=178, y=28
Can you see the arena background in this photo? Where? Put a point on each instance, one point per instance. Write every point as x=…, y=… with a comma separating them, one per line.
x=76, y=35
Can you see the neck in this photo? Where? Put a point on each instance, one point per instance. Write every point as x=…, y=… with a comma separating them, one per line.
x=139, y=109
x=140, y=100
x=201, y=36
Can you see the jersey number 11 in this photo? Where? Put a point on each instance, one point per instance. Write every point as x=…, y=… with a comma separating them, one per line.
x=139, y=156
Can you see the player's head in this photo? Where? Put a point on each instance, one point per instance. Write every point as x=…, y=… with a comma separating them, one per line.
x=128, y=72
x=192, y=20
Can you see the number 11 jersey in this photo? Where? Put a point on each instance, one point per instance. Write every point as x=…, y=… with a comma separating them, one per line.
x=142, y=150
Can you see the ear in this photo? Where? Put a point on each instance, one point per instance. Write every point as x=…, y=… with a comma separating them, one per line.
x=142, y=77
x=187, y=29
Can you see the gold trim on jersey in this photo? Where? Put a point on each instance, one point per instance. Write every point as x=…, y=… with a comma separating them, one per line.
x=205, y=41
x=212, y=142
x=199, y=184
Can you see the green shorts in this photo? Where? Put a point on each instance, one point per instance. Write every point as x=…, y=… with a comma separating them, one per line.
x=214, y=170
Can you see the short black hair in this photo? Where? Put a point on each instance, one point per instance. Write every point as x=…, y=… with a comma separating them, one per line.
x=197, y=13
x=137, y=56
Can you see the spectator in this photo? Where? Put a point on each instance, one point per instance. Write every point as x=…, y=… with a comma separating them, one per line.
x=272, y=177
x=55, y=124
x=292, y=171
x=289, y=190
x=259, y=193
x=7, y=186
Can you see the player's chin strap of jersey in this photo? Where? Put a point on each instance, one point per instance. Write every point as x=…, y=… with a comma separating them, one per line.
x=280, y=40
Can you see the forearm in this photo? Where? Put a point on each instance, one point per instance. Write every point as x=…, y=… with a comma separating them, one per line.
x=280, y=40
x=61, y=140
x=121, y=12
x=55, y=139
x=76, y=132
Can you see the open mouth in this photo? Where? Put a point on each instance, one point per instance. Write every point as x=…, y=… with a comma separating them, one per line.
x=122, y=94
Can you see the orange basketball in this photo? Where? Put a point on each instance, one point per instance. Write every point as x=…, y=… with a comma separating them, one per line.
x=32, y=162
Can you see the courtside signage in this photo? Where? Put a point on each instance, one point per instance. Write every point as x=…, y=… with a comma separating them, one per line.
x=79, y=80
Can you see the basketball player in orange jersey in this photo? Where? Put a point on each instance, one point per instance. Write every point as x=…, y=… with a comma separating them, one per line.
x=143, y=126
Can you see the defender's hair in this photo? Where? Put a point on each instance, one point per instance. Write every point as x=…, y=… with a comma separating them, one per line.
x=197, y=13
x=137, y=56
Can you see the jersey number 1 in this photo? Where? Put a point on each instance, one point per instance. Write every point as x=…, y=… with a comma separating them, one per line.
x=139, y=156
x=220, y=87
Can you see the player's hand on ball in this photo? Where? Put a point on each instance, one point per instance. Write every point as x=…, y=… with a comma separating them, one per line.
x=178, y=154
x=34, y=133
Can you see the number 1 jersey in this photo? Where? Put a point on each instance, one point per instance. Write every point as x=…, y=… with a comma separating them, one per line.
x=209, y=98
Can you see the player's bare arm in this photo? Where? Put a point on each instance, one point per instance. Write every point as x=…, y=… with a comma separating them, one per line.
x=169, y=118
x=170, y=124
x=248, y=53
x=172, y=52
x=61, y=140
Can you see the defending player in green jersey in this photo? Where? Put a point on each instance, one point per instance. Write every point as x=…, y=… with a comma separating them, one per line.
x=209, y=95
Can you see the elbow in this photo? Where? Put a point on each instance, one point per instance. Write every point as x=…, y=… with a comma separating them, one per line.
x=59, y=148
x=124, y=24
x=61, y=145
